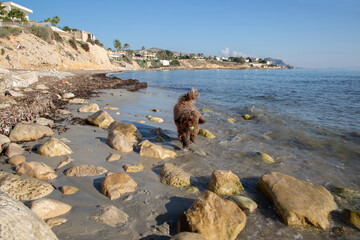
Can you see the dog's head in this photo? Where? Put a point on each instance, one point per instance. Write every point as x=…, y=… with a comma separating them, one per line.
x=188, y=122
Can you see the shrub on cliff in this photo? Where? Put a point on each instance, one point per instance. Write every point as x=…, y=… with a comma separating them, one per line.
x=85, y=46
x=57, y=37
x=72, y=42
x=42, y=32
x=9, y=31
x=174, y=63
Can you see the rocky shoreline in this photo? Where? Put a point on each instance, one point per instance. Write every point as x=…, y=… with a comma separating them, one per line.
x=61, y=179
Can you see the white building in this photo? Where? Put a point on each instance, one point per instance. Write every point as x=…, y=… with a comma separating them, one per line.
x=10, y=5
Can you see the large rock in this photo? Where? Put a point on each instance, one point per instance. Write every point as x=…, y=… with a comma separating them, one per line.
x=110, y=215
x=224, y=182
x=101, y=119
x=18, y=222
x=129, y=130
x=149, y=149
x=17, y=79
x=352, y=217
x=13, y=149
x=84, y=170
x=118, y=141
x=298, y=202
x=45, y=122
x=29, y=132
x=174, y=176
x=49, y=208
x=213, y=217
x=187, y=236
x=54, y=147
x=3, y=139
x=115, y=185
x=68, y=95
x=23, y=189
x=92, y=107
x=16, y=160
x=36, y=170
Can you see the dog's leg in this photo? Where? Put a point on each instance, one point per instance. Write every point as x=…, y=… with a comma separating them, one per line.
x=184, y=140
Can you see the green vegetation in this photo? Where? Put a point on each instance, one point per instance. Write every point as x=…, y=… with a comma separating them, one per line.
x=15, y=14
x=9, y=31
x=72, y=42
x=237, y=59
x=156, y=64
x=54, y=19
x=126, y=46
x=117, y=45
x=57, y=37
x=2, y=51
x=42, y=32
x=3, y=12
x=165, y=55
x=174, y=63
x=142, y=63
x=85, y=46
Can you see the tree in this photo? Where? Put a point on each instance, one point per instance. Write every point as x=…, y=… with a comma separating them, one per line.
x=67, y=29
x=117, y=44
x=126, y=46
x=165, y=55
x=55, y=20
x=16, y=14
x=143, y=48
x=47, y=20
x=3, y=12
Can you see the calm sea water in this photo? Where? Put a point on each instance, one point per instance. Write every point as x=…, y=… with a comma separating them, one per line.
x=307, y=120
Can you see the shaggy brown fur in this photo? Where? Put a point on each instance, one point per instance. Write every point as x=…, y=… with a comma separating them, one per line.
x=187, y=118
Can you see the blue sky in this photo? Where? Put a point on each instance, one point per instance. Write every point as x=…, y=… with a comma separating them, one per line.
x=304, y=33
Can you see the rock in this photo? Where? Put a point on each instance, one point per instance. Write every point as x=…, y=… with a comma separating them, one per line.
x=53, y=222
x=84, y=170
x=13, y=93
x=141, y=121
x=64, y=163
x=118, y=141
x=92, y=107
x=129, y=130
x=63, y=112
x=193, y=189
x=49, y=208
x=45, y=122
x=54, y=147
x=298, y=202
x=148, y=116
x=133, y=168
x=117, y=113
x=206, y=110
x=156, y=120
x=13, y=149
x=101, y=119
x=264, y=157
x=68, y=95
x=111, y=108
x=41, y=87
x=174, y=176
x=206, y=133
x=247, y=116
x=23, y=189
x=3, y=139
x=149, y=149
x=4, y=105
x=187, y=236
x=19, y=222
x=16, y=160
x=245, y=203
x=231, y=120
x=36, y=170
x=69, y=190
x=213, y=217
x=28, y=132
x=224, y=182
x=78, y=101
x=161, y=133
x=113, y=157
x=154, y=110
x=110, y=215
x=117, y=184
x=352, y=217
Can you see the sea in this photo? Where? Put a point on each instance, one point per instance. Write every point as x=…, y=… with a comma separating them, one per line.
x=308, y=120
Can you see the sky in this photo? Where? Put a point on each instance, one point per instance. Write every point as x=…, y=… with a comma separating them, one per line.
x=303, y=33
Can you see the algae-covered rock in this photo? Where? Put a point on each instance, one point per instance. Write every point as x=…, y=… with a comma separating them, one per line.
x=174, y=176
x=352, y=217
x=264, y=157
x=247, y=116
x=206, y=110
x=206, y=133
x=224, y=182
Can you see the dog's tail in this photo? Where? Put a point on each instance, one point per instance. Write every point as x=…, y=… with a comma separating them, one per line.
x=190, y=96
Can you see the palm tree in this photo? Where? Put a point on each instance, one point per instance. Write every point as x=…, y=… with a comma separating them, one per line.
x=143, y=48
x=126, y=46
x=117, y=45
x=55, y=20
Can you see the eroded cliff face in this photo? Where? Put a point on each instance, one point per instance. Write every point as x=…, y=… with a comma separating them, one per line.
x=37, y=54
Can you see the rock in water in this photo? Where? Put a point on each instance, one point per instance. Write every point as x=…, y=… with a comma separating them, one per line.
x=92, y=107
x=18, y=222
x=78, y=101
x=129, y=130
x=117, y=184
x=49, y=208
x=84, y=170
x=156, y=120
x=149, y=149
x=174, y=176
x=54, y=147
x=224, y=182
x=245, y=203
x=265, y=157
x=206, y=133
x=118, y=141
x=110, y=215
x=298, y=202
x=101, y=119
x=213, y=217
x=352, y=217
x=36, y=170
x=29, y=132
x=23, y=189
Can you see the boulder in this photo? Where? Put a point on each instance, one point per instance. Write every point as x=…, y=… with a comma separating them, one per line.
x=352, y=217
x=16, y=160
x=213, y=217
x=113, y=157
x=29, y=132
x=45, y=122
x=188, y=236
x=297, y=202
x=13, y=93
x=149, y=149
x=84, y=170
x=245, y=203
x=206, y=133
x=156, y=120
x=3, y=139
x=54, y=147
x=36, y=170
x=68, y=95
x=110, y=215
x=101, y=119
x=13, y=149
x=129, y=130
x=174, y=176
x=92, y=107
x=23, y=189
x=52, y=222
x=117, y=184
x=78, y=101
x=133, y=168
x=224, y=182
x=118, y=141
x=69, y=190
x=49, y=208
x=18, y=222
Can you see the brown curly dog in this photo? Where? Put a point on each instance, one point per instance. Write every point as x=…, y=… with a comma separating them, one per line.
x=187, y=118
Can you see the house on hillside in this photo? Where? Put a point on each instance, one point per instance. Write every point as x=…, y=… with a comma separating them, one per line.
x=11, y=5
